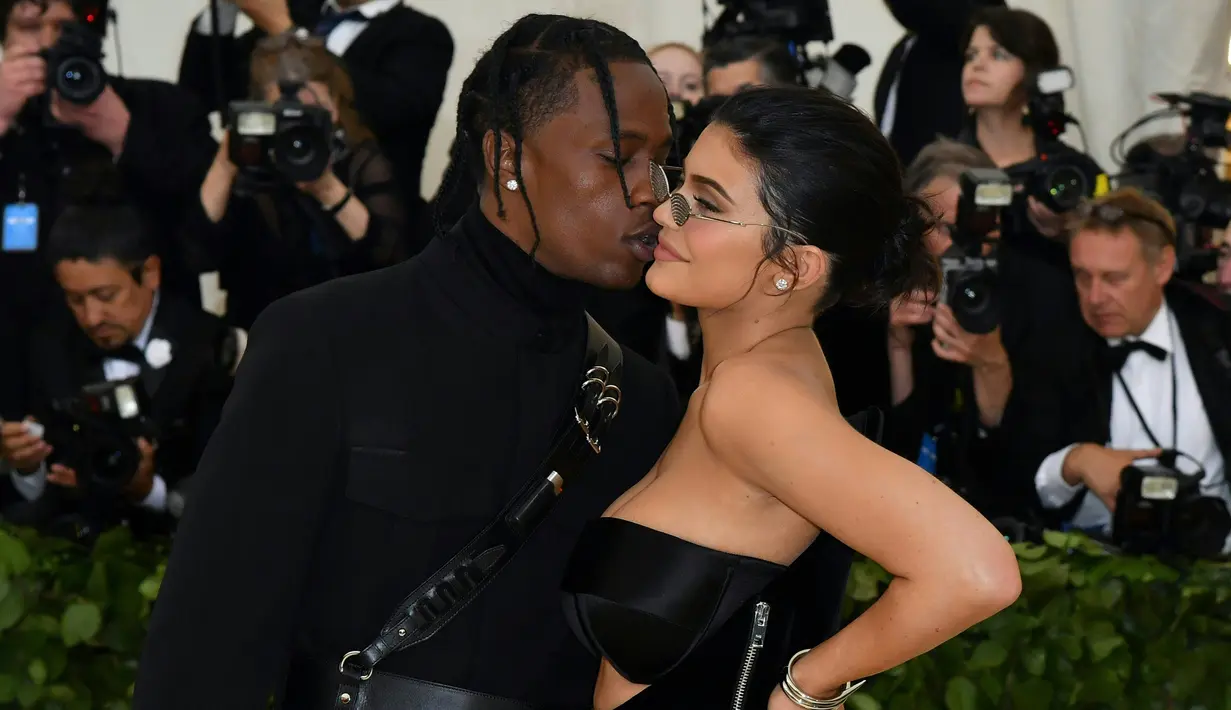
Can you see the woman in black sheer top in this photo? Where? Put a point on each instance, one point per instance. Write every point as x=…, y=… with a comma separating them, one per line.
x=270, y=240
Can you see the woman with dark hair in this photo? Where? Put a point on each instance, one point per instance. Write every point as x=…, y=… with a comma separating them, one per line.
x=270, y=240
x=727, y=562
x=379, y=422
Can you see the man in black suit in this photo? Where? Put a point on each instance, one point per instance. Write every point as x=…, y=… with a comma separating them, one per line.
x=380, y=422
x=397, y=58
x=144, y=141
x=125, y=328
x=1153, y=374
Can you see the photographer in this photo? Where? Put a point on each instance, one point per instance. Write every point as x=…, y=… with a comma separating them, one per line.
x=269, y=236
x=1006, y=52
x=1153, y=371
x=397, y=57
x=124, y=326
x=140, y=140
x=950, y=387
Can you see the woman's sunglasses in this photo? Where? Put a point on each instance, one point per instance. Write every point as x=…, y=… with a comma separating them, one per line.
x=681, y=211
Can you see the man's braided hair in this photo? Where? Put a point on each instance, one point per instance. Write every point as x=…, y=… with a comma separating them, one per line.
x=523, y=81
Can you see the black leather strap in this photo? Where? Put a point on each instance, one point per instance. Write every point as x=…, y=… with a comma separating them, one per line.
x=443, y=595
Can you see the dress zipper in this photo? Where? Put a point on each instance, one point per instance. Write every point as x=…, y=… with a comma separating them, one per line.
x=756, y=640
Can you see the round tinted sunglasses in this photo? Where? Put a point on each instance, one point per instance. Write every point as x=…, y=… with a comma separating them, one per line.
x=665, y=188
x=1114, y=215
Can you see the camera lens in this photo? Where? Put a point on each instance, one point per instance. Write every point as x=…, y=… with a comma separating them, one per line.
x=973, y=301
x=79, y=80
x=297, y=147
x=1066, y=187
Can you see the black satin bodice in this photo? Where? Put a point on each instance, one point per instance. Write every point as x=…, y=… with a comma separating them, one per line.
x=644, y=599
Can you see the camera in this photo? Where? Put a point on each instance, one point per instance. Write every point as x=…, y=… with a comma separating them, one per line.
x=1060, y=177
x=1160, y=510
x=968, y=268
x=95, y=432
x=1185, y=180
x=75, y=63
x=286, y=138
x=794, y=23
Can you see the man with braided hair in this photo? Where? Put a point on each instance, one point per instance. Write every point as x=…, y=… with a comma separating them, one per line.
x=379, y=422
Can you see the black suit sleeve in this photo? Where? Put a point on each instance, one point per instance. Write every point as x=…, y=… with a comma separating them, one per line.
x=168, y=148
x=206, y=59
x=1038, y=421
x=225, y=616
x=407, y=86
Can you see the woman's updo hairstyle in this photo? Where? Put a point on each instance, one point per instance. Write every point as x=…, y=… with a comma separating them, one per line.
x=824, y=170
x=1024, y=34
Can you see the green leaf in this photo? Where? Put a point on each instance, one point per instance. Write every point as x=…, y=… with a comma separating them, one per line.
x=1032, y=693
x=29, y=694
x=863, y=587
x=1053, y=538
x=149, y=588
x=12, y=606
x=96, y=585
x=1027, y=551
x=37, y=671
x=8, y=688
x=14, y=558
x=862, y=701
x=988, y=654
x=80, y=623
x=1035, y=660
x=961, y=694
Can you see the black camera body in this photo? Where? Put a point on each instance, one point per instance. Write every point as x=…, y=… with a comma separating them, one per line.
x=1060, y=177
x=1187, y=182
x=286, y=139
x=969, y=275
x=95, y=432
x=1160, y=510
x=794, y=21
x=75, y=63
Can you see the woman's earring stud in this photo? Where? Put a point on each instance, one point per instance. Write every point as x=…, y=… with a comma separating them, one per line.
x=782, y=284
x=511, y=185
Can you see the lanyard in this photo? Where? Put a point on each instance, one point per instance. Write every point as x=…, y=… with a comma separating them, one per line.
x=1175, y=396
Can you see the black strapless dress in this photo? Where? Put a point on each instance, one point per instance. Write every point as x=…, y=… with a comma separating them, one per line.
x=704, y=629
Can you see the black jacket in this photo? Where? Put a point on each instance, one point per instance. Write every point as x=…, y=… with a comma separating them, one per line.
x=378, y=422
x=166, y=155
x=1051, y=410
x=398, y=66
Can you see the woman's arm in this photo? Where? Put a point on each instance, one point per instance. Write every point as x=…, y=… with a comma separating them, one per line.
x=216, y=189
x=330, y=191
x=951, y=567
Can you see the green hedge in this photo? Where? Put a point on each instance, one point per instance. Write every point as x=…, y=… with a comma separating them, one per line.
x=1092, y=630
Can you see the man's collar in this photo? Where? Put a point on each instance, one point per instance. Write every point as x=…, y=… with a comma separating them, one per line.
x=143, y=338
x=369, y=8
x=1158, y=332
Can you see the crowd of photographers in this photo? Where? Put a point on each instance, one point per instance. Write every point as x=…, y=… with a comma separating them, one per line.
x=1072, y=372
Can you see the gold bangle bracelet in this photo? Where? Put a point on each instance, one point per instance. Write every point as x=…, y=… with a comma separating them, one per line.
x=807, y=702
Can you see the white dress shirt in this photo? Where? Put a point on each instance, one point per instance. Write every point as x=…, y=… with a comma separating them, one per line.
x=1149, y=381
x=338, y=41
x=31, y=487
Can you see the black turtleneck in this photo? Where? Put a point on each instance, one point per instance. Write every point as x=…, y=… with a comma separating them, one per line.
x=377, y=423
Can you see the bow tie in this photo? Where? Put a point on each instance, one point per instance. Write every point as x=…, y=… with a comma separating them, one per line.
x=1117, y=355
x=331, y=18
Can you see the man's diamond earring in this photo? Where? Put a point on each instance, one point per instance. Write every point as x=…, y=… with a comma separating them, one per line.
x=782, y=284
x=511, y=185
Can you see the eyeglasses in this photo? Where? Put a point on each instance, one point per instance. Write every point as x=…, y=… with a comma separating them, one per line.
x=1115, y=215
x=682, y=211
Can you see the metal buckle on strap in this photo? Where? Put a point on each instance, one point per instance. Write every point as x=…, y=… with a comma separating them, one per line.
x=342, y=667
x=601, y=404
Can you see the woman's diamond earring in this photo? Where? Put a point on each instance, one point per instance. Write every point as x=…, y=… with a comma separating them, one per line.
x=782, y=284
x=511, y=185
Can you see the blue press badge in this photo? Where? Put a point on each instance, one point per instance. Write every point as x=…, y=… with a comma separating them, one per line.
x=927, y=454
x=21, y=227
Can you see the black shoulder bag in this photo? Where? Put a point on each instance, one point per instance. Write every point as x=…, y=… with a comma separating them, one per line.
x=447, y=592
